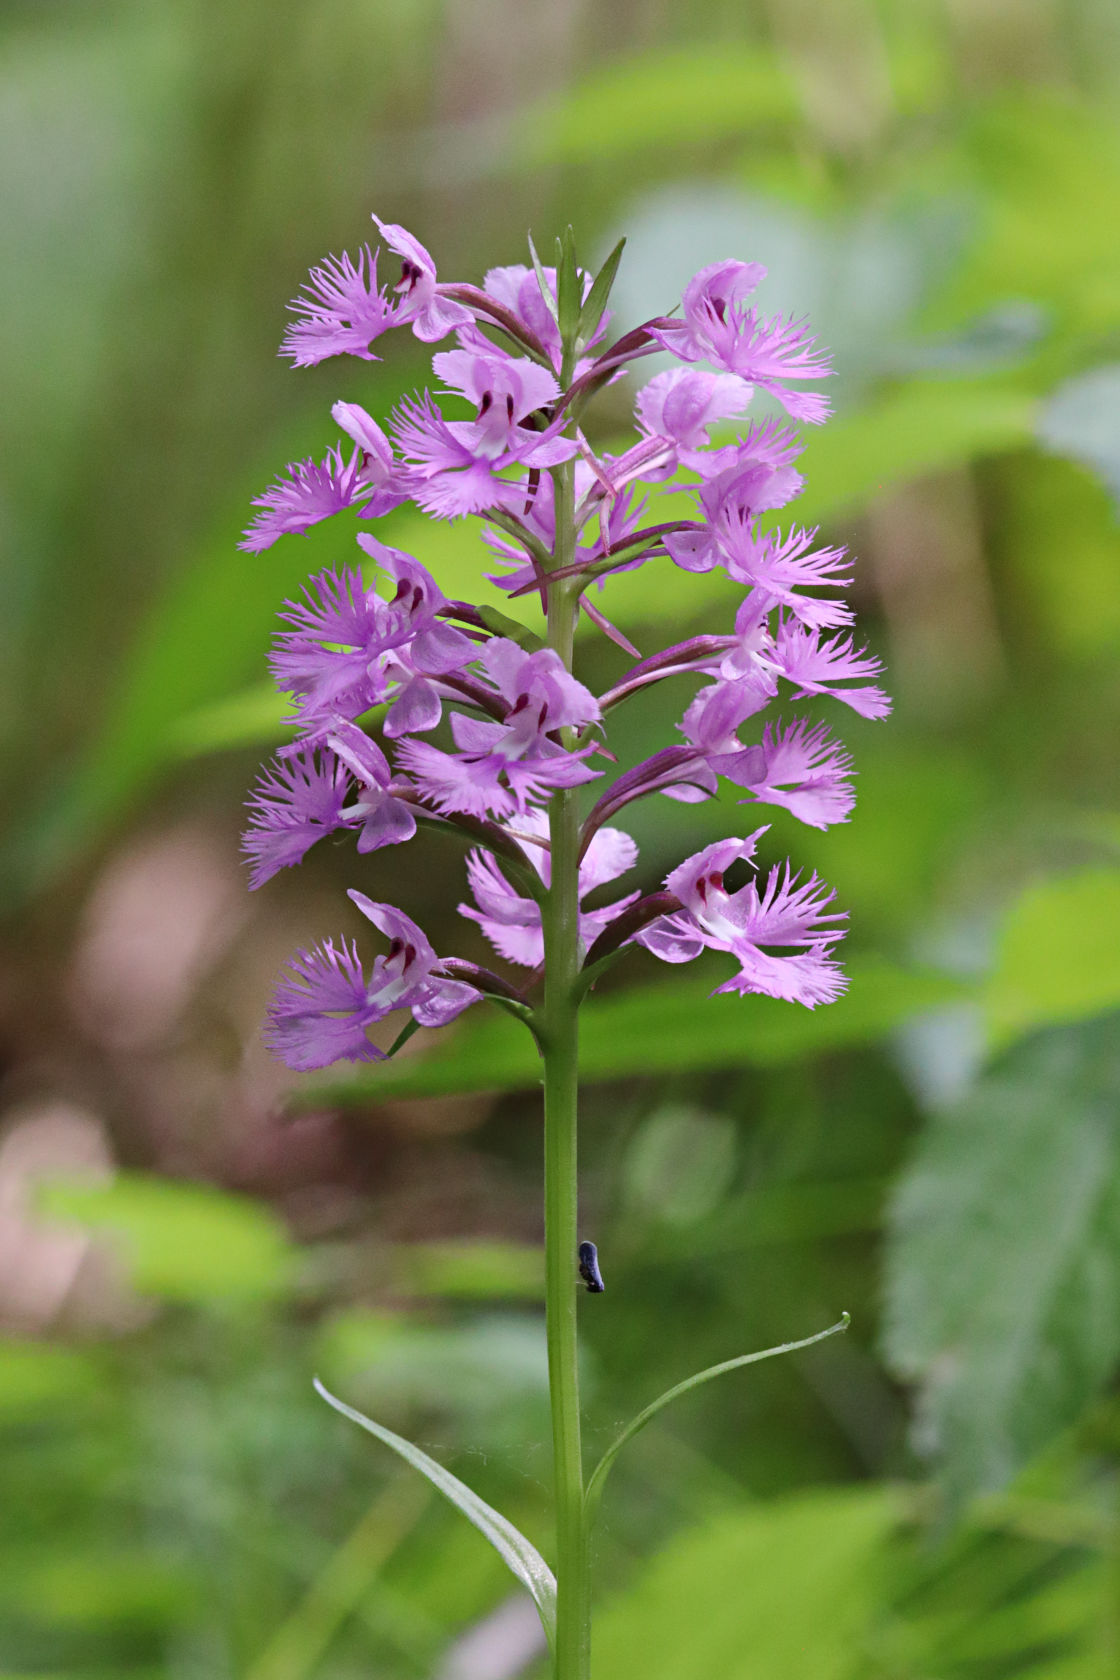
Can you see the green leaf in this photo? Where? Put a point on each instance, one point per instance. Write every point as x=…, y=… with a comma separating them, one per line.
x=603, y=1468
x=253, y=717
x=520, y=1556
x=1046, y=172
x=36, y=1376
x=546, y=290
x=503, y=625
x=1058, y=957
x=655, y=1029
x=783, y=1589
x=568, y=290
x=596, y=300
x=1003, y=1267
x=664, y=98
x=184, y=1242
x=471, y=1270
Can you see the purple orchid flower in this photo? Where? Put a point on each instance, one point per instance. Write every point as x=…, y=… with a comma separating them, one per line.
x=426, y=648
x=342, y=314
x=680, y=405
x=801, y=768
x=331, y=659
x=302, y=797
x=420, y=304
x=755, y=477
x=512, y=923
x=314, y=491
x=520, y=723
x=506, y=390
x=297, y=800
x=743, y=923
x=518, y=289
x=814, y=666
x=348, y=649
x=322, y=1012
x=502, y=767
x=451, y=471
x=720, y=327
x=382, y=818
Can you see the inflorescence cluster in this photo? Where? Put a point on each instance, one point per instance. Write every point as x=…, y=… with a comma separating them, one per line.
x=389, y=658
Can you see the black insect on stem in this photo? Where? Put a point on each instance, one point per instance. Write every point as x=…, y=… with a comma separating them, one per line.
x=589, y=1268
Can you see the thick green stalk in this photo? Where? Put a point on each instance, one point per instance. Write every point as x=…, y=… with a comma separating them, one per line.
x=560, y=915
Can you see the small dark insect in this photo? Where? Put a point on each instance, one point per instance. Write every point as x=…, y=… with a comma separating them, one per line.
x=589, y=1268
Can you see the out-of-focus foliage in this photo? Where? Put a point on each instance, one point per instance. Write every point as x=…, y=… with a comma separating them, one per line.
x=187, y=1238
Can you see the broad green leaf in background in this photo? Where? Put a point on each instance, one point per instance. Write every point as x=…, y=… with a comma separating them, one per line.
x=666, y=98
x=1003, y=1267
x=471, y=1270
x=180, y=1241
x=520, y=1556
x=254, y=717
x=1048, y=172
x=1058, y=955
x=782, y=1589
x=666, y=1028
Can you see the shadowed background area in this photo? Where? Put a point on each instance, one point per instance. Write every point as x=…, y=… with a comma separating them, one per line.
x=188, y=1233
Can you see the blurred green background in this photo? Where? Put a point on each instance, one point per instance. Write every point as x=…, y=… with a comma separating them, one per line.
x=188, y=1234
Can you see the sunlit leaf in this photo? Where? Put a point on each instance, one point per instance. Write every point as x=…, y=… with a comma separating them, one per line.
x=669, y=98
x=38, y=1375
x=1003, y=1270
x=519, y=1555
x=181, y=1241
x=471, y=1270
x=1046, y=174
x=1058, y=956
x=783, y=1588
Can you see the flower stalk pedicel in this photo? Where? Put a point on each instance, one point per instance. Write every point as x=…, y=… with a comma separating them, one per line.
x=520, y=736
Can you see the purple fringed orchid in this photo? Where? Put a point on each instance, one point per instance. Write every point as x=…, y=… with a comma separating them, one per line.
x=410, y=707
x=322, y=1012
x=744, y=923
x=512, y=922
x=504, y=766
x=720, y=327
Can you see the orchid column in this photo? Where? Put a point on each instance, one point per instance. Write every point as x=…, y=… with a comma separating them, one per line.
x=413, y=710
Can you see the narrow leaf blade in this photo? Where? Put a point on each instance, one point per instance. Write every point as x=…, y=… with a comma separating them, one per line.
x=596, y=300
x=503, y=625
x=602, y=1469
x=546, y=290
x=519, y=1554
x=568, y=299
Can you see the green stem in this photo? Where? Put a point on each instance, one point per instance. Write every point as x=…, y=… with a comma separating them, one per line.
x=559, y=1021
